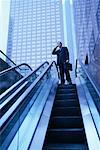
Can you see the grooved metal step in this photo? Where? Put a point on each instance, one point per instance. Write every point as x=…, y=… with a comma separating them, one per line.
x=60, y=146
x=73, y=135
x=66, y=103
x=62, y=91
x=66, y=122
x=71, y=86
x=66, y=96
x=66, y=111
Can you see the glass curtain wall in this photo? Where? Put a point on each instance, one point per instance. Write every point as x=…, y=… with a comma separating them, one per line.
x=34, y=28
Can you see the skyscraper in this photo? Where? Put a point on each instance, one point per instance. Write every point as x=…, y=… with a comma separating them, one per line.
x=87, y=26
x=34, y=28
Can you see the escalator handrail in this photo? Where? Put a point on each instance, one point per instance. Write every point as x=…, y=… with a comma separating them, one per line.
x=89, y=77
x=20, y=99
x=7, y=57
x=21, y=80
x=89, y=113
x=12, y=68
x=11, y=96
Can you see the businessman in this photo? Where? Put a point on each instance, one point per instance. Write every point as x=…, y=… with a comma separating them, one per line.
x=62, y=58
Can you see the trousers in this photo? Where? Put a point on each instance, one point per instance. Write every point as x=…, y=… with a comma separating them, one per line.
x=62, y=72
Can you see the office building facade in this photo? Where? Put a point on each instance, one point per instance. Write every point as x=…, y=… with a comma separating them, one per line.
x=87, y=26
x=35, y=26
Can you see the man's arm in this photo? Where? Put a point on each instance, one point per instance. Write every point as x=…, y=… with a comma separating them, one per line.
x=54, y=52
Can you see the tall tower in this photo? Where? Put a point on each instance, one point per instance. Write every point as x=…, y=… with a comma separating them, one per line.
x=87, y=23
x=34, y=28
x=87, y=26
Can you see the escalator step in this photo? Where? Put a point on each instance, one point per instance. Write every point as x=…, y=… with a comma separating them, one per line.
x=66, y=103
x=59, y=146
x=62, y=91
x=73, y=135
x=66, y=96
x=66, y=86
x=66, y=122
x=66, y=111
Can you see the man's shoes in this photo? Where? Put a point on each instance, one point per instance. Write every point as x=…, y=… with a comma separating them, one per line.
x=62, y=84
x=70, y=82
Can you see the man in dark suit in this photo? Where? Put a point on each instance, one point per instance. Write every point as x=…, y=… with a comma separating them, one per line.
x=62, y=58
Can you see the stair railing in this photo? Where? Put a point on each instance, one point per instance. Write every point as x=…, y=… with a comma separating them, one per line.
x=92, y=99
x=49, y=74
x=7, y=57
x=14, y=68
x=29, y=77
x=23, y=70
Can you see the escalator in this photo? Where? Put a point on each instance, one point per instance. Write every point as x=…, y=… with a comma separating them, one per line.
x=37, y=113
x=21, y=102
x=10, y=73
x=10, y=76
x=73, y=123
x=10, y=83
x=66, y=129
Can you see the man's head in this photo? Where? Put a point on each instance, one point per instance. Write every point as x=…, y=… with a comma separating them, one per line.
x=59, y=44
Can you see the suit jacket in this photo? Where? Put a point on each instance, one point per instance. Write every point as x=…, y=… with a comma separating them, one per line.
x=62, y=55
